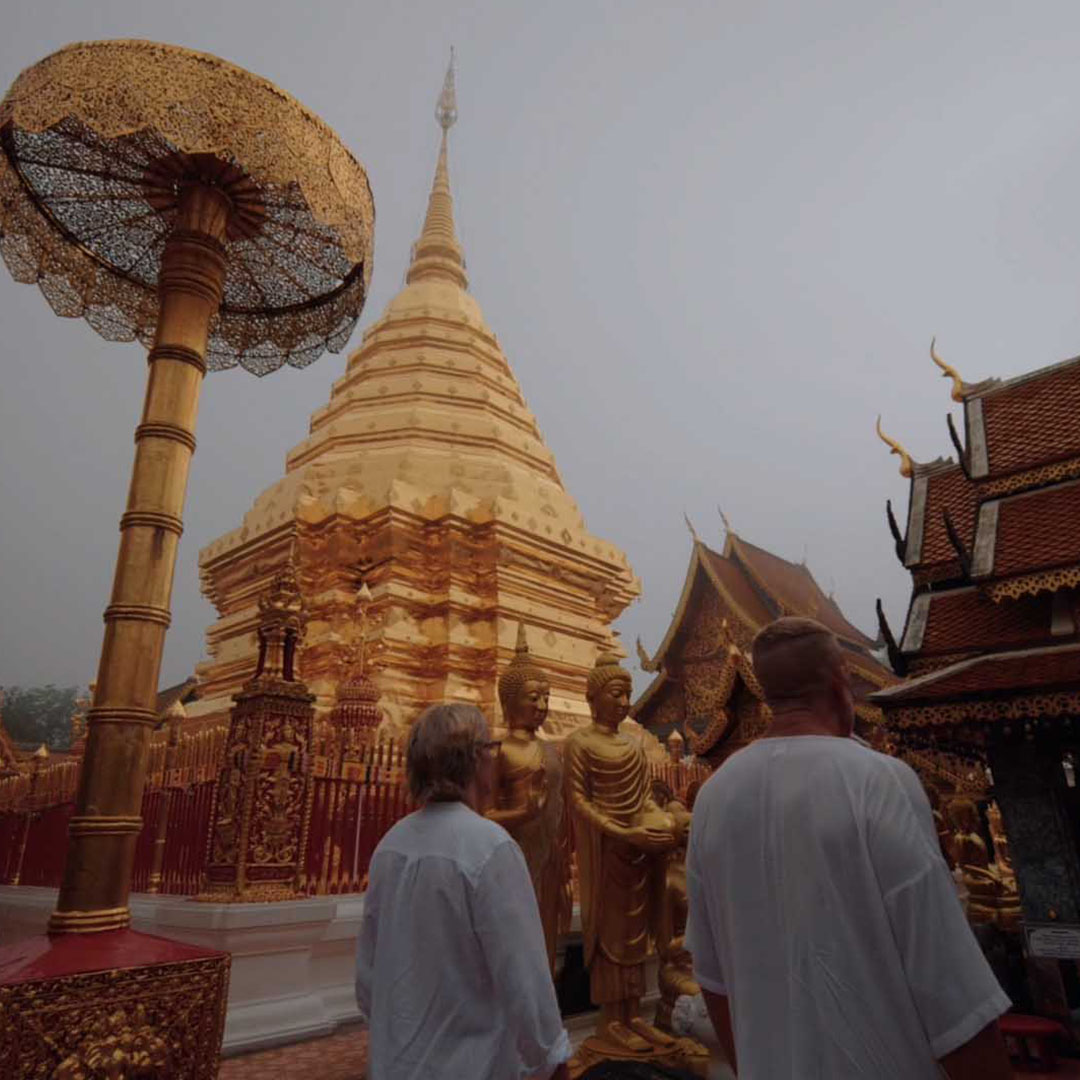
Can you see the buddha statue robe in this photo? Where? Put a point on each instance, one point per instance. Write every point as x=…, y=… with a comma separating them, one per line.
x=621, y=885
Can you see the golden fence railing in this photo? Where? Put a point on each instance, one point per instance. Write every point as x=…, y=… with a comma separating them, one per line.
x=354, y=801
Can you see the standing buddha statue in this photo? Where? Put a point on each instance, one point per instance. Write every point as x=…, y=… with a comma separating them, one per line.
x=622, y=839
x=528, y=796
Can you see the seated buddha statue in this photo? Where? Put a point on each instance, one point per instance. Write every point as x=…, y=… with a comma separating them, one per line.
x=528, y=798
x=993, y=898
x=623, y=839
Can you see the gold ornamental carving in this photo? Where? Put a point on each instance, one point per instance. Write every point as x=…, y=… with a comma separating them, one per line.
x=258, y=831
x=138, y=113
x=157, y=1022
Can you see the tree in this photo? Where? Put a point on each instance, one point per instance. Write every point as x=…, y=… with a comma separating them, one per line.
x=39, y=714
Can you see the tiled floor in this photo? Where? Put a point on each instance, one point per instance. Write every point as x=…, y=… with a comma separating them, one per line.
x=342, y=1056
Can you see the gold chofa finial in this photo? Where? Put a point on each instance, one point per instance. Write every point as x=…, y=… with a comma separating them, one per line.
x=907, y=467
x=446, y=106
x=690, y=526
x=723, y=518
x=949, y=372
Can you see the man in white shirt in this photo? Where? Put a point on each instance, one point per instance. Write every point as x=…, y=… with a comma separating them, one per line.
x=452, y=973
x=824, y=924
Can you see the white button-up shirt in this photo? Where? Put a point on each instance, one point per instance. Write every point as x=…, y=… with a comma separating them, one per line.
x=820, y=903
x=452, y=973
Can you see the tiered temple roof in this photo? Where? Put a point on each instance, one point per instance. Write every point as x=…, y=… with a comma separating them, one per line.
x=991, y=633
x=704, y=686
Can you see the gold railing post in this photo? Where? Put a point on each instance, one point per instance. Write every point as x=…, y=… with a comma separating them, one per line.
x=107, y=818
x=175, y=715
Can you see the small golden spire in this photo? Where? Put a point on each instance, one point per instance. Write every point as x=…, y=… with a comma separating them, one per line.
x=437, y=255
x=723, y=518
x=907, y=466
x=690, y=526
x=948, y=372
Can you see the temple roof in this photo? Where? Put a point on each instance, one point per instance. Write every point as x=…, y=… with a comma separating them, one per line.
x=1044, y=669
x=1024, y=422
x=936, y=491
x=965, y=620
x=1023, y=538
x=792, y=588
x=1004, y=582
x=755, y=587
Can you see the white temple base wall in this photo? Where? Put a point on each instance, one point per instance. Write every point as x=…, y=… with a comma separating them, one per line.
x=293, y=962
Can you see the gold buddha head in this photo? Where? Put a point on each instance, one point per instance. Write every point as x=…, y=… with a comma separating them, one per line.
x=524, y=689
x=608, y=691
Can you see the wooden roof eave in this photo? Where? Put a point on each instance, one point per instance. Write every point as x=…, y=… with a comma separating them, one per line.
x=650, y=691
x=696, y=563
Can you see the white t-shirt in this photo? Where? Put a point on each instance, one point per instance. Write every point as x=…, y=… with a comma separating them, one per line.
x=452, y=972
x=821, y=906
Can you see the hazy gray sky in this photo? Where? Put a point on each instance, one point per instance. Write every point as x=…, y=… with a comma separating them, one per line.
x=714, y=240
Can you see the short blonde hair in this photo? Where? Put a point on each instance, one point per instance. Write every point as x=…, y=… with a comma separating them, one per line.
x=795, y=659
x=443, y=752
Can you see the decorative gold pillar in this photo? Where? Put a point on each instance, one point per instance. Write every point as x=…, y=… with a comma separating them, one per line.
x=111, y=205
x=107, y=818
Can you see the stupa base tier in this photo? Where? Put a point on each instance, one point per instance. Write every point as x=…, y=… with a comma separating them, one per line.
x=118, y=1003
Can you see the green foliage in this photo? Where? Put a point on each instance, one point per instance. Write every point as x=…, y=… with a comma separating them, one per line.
x=39, y=714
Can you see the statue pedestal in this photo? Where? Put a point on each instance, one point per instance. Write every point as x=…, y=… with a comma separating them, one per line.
x=293, y=962
x=118, y=1003
x=685, y=1054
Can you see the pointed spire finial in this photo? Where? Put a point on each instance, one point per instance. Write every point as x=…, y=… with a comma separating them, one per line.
x=521, y=648
x=446, y=106
x=437, y=255
x=948, y=372
x=723, y=518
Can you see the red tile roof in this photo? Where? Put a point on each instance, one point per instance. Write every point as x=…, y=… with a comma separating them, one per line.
x=963, y=620
x=1032, y=420
x=1027, y=669
x=947, y=490
x=1038, y=531
x=739, y=588
x=794, y=588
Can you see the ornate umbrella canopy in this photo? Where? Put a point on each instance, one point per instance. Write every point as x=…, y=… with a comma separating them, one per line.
x=97, y=140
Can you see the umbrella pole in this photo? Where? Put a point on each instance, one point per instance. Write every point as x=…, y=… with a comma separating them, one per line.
x=107, y=817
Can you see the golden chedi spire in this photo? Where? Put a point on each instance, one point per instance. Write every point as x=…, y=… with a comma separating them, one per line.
x=437, y=255
x=426, y=439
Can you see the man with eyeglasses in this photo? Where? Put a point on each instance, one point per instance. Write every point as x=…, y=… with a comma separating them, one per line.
x=452, y=973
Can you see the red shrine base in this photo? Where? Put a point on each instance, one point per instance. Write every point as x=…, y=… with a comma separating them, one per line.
x=118, y=1003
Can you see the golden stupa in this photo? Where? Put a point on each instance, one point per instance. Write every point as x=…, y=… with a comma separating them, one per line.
x=425, y=476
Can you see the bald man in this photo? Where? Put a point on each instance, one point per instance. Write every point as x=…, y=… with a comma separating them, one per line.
x=824, y=924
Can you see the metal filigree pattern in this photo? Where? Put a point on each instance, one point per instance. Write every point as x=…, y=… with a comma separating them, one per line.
x=1032, y=584
x=1045, y=474
x=157, y=1022
x=97, y=139
x=1029, y=706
